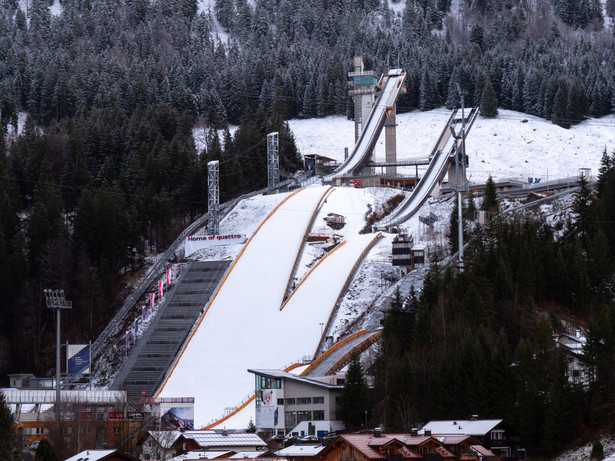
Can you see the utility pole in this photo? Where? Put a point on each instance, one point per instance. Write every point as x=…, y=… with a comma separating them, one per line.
x=55, y=300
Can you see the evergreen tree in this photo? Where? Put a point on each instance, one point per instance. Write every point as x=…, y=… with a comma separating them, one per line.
x=352, y=404
x=45, y=452
x=561, y=114
x=453, y=233
x=8, y=441
x=488, y=102
x=490, y=197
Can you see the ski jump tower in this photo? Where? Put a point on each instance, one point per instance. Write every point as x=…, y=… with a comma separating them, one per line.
x=362, y=89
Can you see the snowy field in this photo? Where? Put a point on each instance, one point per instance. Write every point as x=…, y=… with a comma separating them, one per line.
x=513, y=145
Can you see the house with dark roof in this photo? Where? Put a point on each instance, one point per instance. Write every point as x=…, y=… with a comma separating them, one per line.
x=494, y=434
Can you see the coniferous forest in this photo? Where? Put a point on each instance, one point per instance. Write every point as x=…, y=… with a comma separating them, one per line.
x=481, y=342
x=105, y=168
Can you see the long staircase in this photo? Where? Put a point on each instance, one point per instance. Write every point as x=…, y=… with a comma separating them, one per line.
x=149, y=360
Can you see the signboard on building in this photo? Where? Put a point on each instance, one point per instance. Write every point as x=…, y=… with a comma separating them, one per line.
x=267, y=397
x=116, y=415
x=362, y=80
x=178, y=418
x=267, y=416
x=78, y=358
x=199, y=242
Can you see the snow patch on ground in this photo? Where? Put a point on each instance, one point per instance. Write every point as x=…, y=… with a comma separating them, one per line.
x=583, y=453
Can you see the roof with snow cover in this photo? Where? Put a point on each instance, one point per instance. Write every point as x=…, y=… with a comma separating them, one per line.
x=97, y=455
x=285, y=375
x=477, y=427
x=212, y=439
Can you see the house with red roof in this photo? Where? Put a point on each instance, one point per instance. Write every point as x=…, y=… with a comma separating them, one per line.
x=400, y=447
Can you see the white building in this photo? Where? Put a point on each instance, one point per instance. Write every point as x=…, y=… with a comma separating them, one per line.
x=290, y=404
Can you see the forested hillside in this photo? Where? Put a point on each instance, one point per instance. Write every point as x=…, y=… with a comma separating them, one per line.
x=106, y=169
x=482, y=342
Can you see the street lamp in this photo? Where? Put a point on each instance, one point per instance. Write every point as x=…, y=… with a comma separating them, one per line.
x=55, y=300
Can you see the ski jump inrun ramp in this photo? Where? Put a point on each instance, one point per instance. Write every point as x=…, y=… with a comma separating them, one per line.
x=391, y=84
x=442, y=155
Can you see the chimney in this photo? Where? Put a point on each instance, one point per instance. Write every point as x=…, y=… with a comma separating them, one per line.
x=427, y=433
x=377, y=432
x=414, y=431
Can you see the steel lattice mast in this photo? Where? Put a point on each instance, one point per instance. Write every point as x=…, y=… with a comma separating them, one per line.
x=273, y=162
x=213, y=194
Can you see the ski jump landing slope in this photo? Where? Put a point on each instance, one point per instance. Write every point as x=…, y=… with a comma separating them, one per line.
x=391, y=84
x=243, y=326
x=235, y=331
x=309, y=306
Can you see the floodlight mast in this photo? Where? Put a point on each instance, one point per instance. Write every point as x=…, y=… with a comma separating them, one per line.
x=55, y=300
x=273, y=162
x=213, y=194
x=461, y=185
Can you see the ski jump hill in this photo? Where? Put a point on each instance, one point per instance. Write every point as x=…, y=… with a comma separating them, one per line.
x=439, y=161
x=248, y=323
x=257, y=316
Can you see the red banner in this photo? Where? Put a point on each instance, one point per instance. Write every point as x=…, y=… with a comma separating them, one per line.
x=116, y=415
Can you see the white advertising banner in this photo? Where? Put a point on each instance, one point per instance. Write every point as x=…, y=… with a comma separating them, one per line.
x=267, y=416
x=199, y=242
x=78, y=358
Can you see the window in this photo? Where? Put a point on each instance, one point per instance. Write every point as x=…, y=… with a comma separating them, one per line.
x=304, y=400
x=303, y=416
x=269, y=383
x=318, y=400
x=319, y=415
x=290, y=420
x=289, y=401
x=497, y=434
x=280, y=401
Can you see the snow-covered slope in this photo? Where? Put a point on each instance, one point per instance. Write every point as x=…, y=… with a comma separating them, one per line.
x=511, y=145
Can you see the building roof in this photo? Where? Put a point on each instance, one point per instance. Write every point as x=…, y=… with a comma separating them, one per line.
x=361, y=443
x=97, y=455
x=200, y=454
x=206, y=439
x=165, y=439
x=478, y=427
x=448, y=439
x=482, y=451
x=246, y=455
x=325, y=425
x=289, y=376
x=300, y=450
